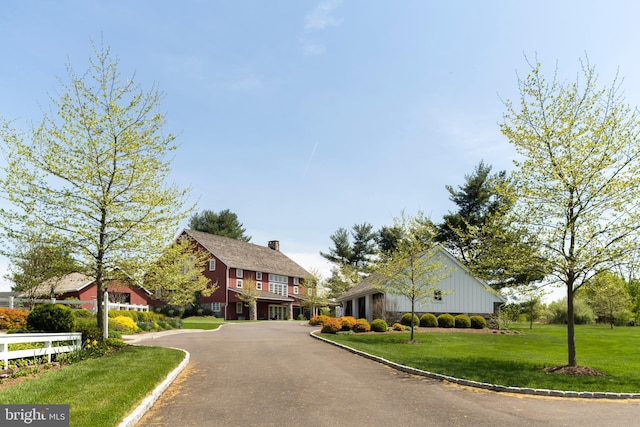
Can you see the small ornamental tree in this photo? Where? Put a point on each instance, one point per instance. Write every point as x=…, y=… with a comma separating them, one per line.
x=414, y=267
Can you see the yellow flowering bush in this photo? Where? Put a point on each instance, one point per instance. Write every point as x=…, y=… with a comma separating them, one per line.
x=123, y=324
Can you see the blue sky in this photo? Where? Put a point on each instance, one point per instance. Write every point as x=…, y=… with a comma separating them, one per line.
x=306, y=116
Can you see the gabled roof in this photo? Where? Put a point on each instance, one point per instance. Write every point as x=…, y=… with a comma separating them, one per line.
x=247, y=256
x=72, y=282
x=368, y=284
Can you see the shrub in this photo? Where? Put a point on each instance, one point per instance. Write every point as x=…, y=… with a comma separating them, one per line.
x=331, y=326
x=406, y=320
x=82, y=314
x=362, y=325
x=10, y=318
x=318, y=320
x=51, y=318
x=347, y=322
x=445, y=321
x=429, y=320
x=379, y=325
x=478, y=322
x=123, y=324
x=462, y=321
x=88, y=328
x=397, y=327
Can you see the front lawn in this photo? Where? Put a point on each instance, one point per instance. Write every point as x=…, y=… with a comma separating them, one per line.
x=206, y=323
x=101, y=391
x=515, y=359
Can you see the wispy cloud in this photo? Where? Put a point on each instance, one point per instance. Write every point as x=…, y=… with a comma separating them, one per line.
x=319, y=19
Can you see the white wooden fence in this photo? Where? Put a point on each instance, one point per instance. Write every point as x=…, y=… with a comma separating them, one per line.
x=47, y=338
x=11, y=302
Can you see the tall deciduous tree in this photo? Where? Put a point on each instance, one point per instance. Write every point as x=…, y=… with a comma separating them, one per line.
x=224, y=223
x=577, y=178
x=93, y=173
x=415, y=267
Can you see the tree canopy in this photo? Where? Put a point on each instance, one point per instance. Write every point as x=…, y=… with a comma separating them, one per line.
x=36, y=263
x=224, y=223
x=577, y=175
x=178, y=275
x=92, y=174
x=482, y=236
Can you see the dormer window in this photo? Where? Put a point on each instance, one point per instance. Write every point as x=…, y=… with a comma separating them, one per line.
x=239, y=273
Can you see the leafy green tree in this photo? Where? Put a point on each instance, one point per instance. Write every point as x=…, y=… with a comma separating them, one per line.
x=576, y=179
x=92, y=174
x=35, y=263
x=476, y=199
x=608, y=297
x=387, y=239
x=312, y=295
x=249, y=295
x=224, y=223
x=415, y=267
x=482, y=236
x=178, y=275
x=352, y=256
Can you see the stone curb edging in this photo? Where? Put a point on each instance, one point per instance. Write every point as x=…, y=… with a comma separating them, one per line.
x=146, y=404
x=476, y=384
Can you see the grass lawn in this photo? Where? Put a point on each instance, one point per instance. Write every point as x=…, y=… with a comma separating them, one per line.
x=206, y=323
x=516, y=360
x=102, y=391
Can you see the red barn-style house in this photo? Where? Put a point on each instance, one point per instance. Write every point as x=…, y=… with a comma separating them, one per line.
x=82, y=287
x=278, y=279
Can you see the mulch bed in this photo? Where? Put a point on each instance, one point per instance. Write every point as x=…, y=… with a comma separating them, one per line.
x=5, y=375
x=575, y=370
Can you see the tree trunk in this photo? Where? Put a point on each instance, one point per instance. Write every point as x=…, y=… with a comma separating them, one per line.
x=571, y=339
x=413, y=303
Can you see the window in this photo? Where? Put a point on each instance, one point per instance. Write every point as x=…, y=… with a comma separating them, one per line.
x=212, y=265
x=238, y=283
x=215, y=307
x=239, y=273
x=158, y=293
x=258, y=286
x=295, y=290
x=278, y=278
x=238, y=308
x=258, y=275
x=295, y=281
x=278, y=288
x=437, y=295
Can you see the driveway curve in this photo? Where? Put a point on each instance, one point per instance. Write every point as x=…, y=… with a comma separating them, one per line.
x=275, y=374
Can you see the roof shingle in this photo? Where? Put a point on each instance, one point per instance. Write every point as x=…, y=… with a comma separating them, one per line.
x=248, y=256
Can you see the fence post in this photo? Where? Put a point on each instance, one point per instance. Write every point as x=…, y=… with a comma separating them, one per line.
x=10, y=301
x=4, y=347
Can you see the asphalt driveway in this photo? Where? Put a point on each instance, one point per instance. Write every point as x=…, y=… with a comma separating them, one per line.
x=275, y=374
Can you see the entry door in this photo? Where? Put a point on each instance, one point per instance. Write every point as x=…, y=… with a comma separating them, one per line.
x=277, y=312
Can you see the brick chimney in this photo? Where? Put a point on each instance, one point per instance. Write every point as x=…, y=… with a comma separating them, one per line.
x=275, y=245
